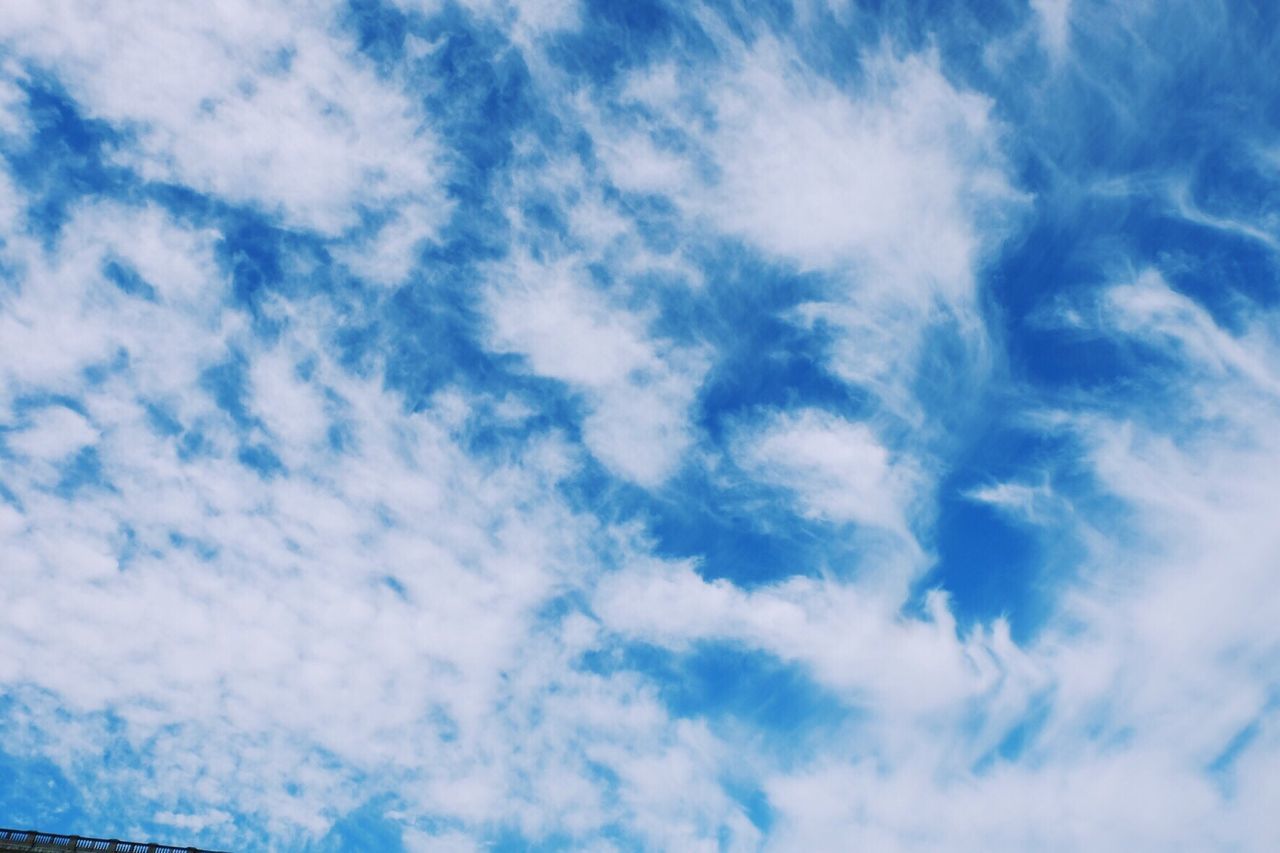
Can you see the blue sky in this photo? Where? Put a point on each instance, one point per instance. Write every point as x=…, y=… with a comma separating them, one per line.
x=623, y=426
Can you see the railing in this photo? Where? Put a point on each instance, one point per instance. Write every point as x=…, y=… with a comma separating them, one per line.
x=45, y=842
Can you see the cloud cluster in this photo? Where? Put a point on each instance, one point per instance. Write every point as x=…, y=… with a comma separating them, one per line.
x=262, y=104
x=280, y=584
x=638, y=388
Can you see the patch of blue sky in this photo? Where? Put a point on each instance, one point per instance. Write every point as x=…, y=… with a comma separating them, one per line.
x=260, y=458
x=125, y=277
x=429, y=336
x=619, y=36
x=655, y=218
x=204, y=550
x=989, y=566
x=482, y=100
x=766, y=358
x=35, y=790
x=114, y=364
x=735, y=537
x=754, y=803
x=227, y=385
x=732, y=686
x=730, y=526
x=381, y=30
x=366, y=828
x=1224, y=768
x=1223, y=762
x=64, y=159
x=26, y=406
x=1018, y=739
x=81, y=471
x=512, y=839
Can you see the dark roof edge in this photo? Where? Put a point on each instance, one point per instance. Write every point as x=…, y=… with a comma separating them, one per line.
x=34, y=841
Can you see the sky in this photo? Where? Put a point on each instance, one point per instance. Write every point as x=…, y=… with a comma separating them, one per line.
x=591, y=425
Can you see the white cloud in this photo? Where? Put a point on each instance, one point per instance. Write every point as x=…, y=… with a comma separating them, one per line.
x=67, y=316
x=846, y=634
x=896, y=190
x=1022, y=501
x=13, y=123
x=54, y=433
x=837, y=468
x=239, y=628
x=1148, y=308
x=639, y=388
x=888, y=179
x=891, y=181
x=193, y=822
x=260, y=103
x=1054, y=19
x=1265, y=230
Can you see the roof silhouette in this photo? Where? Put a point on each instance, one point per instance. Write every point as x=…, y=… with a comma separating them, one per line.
x=47, y=842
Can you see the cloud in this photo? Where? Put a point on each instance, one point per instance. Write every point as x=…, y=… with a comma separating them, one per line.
x=195, y=822
x=1186, y=207
x=891, y=179
x=1020, y=500
x=364, y=597
x=837, y=468
x=898, y=669
x=895, y=190
x=53, y=434
x=1054, y=18
x=257, y=103
x=1150, y=310
x=887, y=179
x=639, y=389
